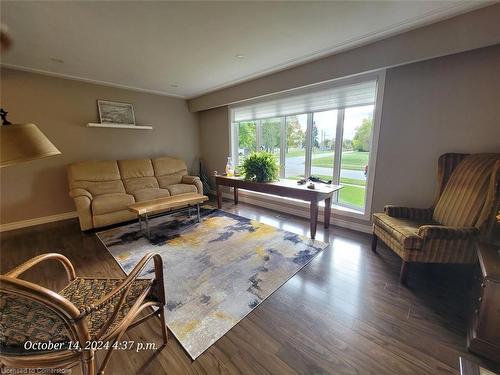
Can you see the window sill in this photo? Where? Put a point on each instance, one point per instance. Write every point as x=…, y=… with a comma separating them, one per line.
x=336, y=209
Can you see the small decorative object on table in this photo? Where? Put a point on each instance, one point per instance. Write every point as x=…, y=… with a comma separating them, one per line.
x=229, y=167
x=260, y=167
x=116, y=113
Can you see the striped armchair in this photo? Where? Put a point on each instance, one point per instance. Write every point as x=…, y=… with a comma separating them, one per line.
x=468, y=197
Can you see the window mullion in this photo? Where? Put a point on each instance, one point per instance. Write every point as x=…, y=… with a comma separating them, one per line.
x=258, y=135
x=338, y=149
x=282, y=146
x=309, y=132
x=235, y=143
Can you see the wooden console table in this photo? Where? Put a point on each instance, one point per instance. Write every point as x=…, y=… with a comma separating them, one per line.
x=484, y=329
x=287, y=189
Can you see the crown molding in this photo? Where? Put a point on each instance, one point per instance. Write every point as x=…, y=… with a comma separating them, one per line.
x=91, y=81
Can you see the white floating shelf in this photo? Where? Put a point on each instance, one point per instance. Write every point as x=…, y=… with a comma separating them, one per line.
x=118, y=126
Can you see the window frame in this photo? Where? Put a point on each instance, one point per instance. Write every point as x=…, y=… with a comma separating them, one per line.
x=340, y=209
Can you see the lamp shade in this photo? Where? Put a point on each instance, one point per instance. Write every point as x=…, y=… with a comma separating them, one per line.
x=24, y=142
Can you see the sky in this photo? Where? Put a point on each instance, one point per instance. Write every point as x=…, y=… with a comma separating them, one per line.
x=352, y=119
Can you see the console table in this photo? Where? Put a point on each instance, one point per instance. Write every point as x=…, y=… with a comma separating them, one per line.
x=484, y=329
x=287, y=189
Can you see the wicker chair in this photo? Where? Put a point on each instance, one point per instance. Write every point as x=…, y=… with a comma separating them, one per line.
x=468, y=197
x=87, y=310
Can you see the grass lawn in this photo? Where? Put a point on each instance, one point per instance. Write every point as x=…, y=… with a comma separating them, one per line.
x=353, y=160
x=301, y=152
x=352, y=195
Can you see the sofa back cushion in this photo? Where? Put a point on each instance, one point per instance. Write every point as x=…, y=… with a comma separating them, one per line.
x=464, y=196
x=137, y=174
x=169, y=171
x=98, y=177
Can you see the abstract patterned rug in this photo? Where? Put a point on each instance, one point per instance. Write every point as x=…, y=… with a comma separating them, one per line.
x=216, y=272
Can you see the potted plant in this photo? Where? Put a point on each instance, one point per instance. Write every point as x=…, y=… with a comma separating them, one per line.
x=260, y=167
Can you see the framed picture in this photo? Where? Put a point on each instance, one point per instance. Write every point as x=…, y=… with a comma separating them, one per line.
x=116, y=113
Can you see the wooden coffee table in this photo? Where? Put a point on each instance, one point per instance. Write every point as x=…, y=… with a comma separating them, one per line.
x=146, y=209
x=284, y=188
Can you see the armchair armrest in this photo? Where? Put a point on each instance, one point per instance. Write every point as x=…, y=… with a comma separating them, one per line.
x=409, y=212
x=447, y=233
x=189, y=179
x=70, y=271
x=79, y=192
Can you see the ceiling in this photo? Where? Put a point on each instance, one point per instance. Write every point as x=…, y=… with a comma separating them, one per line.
x=189, y=48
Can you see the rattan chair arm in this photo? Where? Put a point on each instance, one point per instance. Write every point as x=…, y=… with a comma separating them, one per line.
x=70, y=271
x=123, y=286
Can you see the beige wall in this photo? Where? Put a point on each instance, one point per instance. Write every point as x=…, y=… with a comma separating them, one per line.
x=448, y=104
x=465, y=32
x=214, y=139
x=61, y=108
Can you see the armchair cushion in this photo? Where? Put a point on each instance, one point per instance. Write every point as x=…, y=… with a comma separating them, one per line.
x=447, y=233
x=463, y=198
x=404, y=231
x=409, y=212
x=83, y=292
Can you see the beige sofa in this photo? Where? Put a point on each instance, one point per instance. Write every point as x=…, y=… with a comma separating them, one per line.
x=102, y=190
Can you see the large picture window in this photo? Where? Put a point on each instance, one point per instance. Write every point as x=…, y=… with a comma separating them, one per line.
x=325, y=131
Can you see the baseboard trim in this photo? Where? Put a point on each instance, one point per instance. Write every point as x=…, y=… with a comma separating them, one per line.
x=301, y=212
x=37, y=221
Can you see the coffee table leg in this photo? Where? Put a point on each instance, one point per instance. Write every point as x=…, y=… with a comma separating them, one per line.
x=198, y=212
x=147, y=225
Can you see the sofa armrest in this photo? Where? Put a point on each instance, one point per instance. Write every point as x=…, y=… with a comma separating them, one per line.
x=447, y=233
x=83, y=200
x=409, y=212
x=193, y=180
x=189, y=179
x=78, y=192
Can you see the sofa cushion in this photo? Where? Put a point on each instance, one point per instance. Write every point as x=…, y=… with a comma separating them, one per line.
x=150, y=193
x=166, y=181
x=98, y=177
x=177, y=189
x=106, y=203
x=135, y=168
x=465, y=193
x=405, y=231
x=168, y=166
x=135, y=184
x=137, y=175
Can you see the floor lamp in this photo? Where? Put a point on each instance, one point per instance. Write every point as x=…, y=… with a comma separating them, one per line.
x=22, y=142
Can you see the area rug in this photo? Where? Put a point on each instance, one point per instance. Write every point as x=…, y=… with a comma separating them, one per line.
x=216, y=271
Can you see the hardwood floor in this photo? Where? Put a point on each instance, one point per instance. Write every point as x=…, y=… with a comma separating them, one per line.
x=344, y=313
